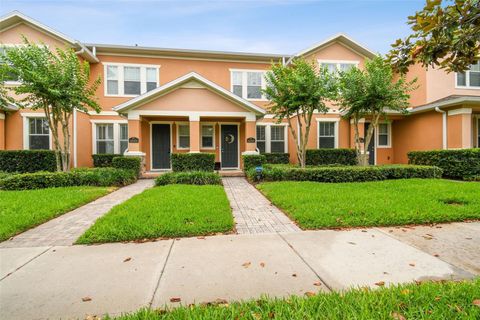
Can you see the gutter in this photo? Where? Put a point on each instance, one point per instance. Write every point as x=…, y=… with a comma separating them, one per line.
x=444, y=126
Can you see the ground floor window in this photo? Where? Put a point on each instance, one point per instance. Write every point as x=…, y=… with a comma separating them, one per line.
x=327, y=134
x=38, y=134
x=105, y=141
x=271, y=138
x=183, y=134
x=208, y=136
x=110, y=138
x=384, y=135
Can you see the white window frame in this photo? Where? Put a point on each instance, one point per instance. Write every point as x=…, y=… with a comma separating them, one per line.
x=120, y=136
x=116, y=134
x=211, y=124
x=338, y=62
x=467, y=81
x=121, y=79
x=178, y=124
x=268, y=136
x=336, y=130
x=26, y=129
x=377, y=133
x=245, y=82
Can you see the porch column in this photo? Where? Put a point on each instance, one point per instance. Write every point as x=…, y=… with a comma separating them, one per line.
x=459, y=130
x=194, y=134
x=250, y=132
x=2, y=131
x=134, y=136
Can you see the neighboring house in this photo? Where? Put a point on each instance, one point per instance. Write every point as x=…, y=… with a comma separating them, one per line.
x=158, y=101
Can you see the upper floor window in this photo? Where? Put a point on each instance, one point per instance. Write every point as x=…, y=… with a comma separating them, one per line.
x=248, y=84
x=38, y=134
x=470, y=78
x=130, y=80
x=334, y=66
x=10, y=78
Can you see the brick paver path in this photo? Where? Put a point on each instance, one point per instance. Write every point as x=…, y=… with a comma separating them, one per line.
x=65, y=229
x=253, y=213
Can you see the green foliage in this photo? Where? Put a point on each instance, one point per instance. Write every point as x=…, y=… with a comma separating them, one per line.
x=193, y=161
x=253, y=160
x=23, y=161
x=104, y=160
x=456, y=164
x=77, y=177
x=297, y=90
x=188, y=177
x=319, y=157
x=128, y=163
x=445, y=36
x=345, y=174
x=277, y=158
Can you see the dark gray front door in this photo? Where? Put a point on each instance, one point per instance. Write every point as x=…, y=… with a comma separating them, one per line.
x=371, y=145
x=229, y=136
x=160, y=146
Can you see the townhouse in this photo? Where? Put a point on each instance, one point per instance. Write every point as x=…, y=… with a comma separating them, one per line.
x=158, y=101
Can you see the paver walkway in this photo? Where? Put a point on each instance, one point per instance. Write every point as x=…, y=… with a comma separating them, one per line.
x=65, y=229
x=252, y=212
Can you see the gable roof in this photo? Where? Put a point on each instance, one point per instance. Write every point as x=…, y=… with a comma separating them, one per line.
x=343, y=39
x=174, y=84
x=15, y=17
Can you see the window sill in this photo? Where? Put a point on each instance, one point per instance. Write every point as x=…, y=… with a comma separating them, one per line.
x=384, y=147
x=467, y=88
x=123, y=95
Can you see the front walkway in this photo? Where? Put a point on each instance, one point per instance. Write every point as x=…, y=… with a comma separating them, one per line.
x=252, y=212
x=76, y=281
x=66, y=229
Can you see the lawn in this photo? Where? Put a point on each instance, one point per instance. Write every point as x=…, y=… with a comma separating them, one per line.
x=167, y=211
x=430, y=300
x=381, y=203
x=22, y=210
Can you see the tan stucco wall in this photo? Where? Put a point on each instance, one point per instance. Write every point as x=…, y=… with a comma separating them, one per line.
x=2, y=131
x=442, y=84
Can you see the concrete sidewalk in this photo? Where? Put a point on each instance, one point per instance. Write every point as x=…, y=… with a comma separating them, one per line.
x=76, y=281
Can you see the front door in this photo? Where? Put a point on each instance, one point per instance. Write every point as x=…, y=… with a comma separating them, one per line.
x=371, y=145
x=160, y=146
x=229, y=144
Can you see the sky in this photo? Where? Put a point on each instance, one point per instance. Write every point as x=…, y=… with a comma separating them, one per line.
x=262, y=26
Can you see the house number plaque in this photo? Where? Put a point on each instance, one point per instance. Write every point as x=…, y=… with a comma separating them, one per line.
x=133, y=140
x=250, y=140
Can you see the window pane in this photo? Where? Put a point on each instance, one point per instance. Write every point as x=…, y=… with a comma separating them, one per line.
x=123, y=132
x=105, y=147
x=184, y=142
x=277, y=133
x=277, y=147
x=326, y=129
x=332, y=67
x=254, y=78
x=383, y=128
x=112, y=87
x=131, y=73
x=38, y=142
x=184, y=130
x=474, y=79
x=207, y=142
x=131, y=87
x=261, y=146
x=151, y=86
x=123, y=146
x=237, y=78
x=383, y=140
x=346, y=66
x=260, y=132
x=327, y=142
x=475, y=67
x=461, y=79
x=207, y=130
x=254, y=92
x=112, y=72
x=151, y=75
x=237, y=90
x=207, y=136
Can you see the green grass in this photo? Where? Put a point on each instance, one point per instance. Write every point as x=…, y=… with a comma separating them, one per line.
x=22, y=210
x=167, y=211
x=450, y=300
x=382, y=203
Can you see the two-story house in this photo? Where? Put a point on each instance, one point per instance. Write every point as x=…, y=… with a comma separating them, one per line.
x=158, y=101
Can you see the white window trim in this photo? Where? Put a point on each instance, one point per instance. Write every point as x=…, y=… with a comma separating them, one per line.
x=338, y=62
x=245, y=82
x=268, y=139
x=178, y=124
x=377, y=133
x=213, y=124
x=143, y=77
x=26, y=129
x=336, y=137
x=116, y=134
x=467, y=82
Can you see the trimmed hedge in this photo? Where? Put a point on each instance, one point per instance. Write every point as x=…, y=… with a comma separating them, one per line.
x=193, y=162
x=456, y=164
x=191, y=177
x=104, y=160
x=23, y=161
x=78, y=177
x=345, y=173
x=277, y=158
x=128, y=163
x=253, y=160
x=318, y=157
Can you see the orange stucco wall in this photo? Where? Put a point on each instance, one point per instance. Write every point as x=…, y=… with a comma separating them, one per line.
x=2, y=131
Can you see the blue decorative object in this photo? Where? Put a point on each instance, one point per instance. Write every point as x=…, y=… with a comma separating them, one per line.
x=259, y=171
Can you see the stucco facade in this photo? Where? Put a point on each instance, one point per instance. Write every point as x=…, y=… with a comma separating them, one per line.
x=158, y=101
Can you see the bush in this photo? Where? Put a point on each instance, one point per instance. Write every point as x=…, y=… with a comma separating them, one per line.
x=191, y=177
x=77, y=177
x=277, y=158
x=104, y=160
x=128, y=163
x=253, y=160
x=193, y=161
x=456, y=164
x=23, y=161
x=345, y=173
x=318, y=157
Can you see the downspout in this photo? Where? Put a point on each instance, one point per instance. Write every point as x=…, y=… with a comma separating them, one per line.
x=444, y=127
x=75, y=138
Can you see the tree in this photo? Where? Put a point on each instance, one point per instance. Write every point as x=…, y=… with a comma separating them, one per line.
x=371, y=93
x=444, y=36
x=55, y=82
x=298, y=90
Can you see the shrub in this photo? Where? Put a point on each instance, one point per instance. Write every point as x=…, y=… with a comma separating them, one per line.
x=193, y=161
x=345, y=173
x=456, y=164
x=277, y=158
x=104, y=160
x=23, y=161
x=191, y=177
x=253, y=160
x=128, y=163
x=318, y=157
x=77, y=177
